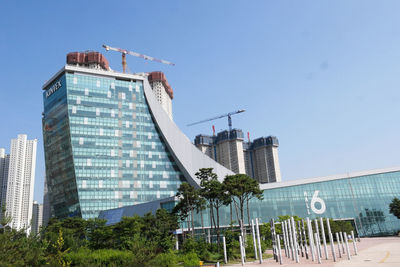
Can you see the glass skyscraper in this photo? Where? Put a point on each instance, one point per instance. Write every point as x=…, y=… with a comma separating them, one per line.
x=104, y=147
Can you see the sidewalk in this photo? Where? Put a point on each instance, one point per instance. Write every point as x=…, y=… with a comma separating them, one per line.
x=371, y=251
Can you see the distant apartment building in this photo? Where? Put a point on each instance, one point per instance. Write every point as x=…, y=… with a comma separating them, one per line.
x=17, y=176
x=37, y=217
x=258, y=159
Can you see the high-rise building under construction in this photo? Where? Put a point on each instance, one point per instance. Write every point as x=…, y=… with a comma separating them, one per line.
x=258, y=159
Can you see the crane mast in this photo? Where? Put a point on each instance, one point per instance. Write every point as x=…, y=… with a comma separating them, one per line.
x=124, y=52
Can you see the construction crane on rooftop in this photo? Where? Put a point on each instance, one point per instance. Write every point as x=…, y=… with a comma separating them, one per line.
x=229, y=115
x=124, y=52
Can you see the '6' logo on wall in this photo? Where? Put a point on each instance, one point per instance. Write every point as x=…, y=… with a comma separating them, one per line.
x=317, y=209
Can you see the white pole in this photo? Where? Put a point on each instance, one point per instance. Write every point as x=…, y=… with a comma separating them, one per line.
x=287, y=239
x=291, y=240
x=338, y=244
x=254, y=240
x=295, y=241
x=224, y=244
x=301, y=237
x=310, y=238
x=321, y=221
x=176, y=242
x=332, y=246
x=342, y=240
x=241, y=249
x=318, y=252
x=284, y=237
x=354, y=243
x=347, y=246
x=305, y=238
x=318, y=241
x=279, y=249
x=259, y=242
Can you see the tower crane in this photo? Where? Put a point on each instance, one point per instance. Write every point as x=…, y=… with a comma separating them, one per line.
x=229, y=115
x=124, y=52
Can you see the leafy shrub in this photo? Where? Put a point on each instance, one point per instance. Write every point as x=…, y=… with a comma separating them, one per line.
x=190, y=259
x=168, y=259
x=101, y=257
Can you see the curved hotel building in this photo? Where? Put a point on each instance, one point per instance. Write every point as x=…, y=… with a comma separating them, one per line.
x=110, y=145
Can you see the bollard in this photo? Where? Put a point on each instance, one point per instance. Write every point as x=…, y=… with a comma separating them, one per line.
x=241, y=249
x=338, y=245
x=347, y=246
x=254, y=239
x=209, y=236
x=295, y=241
x=259, y=242
x=318, y=252
x=310, y=239
x=279, y=249
x=321, y=221
x=342, y=241
x=224, y=245
x=354, y=243
x=217, y=264
x=332, y=247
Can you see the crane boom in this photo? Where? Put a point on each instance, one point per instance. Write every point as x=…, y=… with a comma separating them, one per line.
x=135, y=54
x=221, y=116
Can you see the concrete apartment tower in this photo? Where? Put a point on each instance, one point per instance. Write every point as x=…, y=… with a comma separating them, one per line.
x=162, y=90
x=229, y=148
x=258, y=159
x=265, y=160
x=18, y=182
x=37, y=217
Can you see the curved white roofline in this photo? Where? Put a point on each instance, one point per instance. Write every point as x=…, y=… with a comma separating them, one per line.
x=187, y=156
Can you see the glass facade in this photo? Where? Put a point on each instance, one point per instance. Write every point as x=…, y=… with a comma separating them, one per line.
x=102, y=147
x=364, y=199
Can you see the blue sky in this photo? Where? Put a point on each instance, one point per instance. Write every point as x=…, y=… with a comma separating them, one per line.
x=323, y=76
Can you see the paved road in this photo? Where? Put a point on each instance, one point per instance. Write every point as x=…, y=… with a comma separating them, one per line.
x=385, y=254
x=384, y=251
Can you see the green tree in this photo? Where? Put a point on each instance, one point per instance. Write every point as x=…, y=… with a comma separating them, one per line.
x=241, y=188
x=189, y=201
x=214, y=192
x=4, y=218
x=394, y=207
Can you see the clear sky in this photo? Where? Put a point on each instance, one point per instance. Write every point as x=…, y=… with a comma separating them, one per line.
x=323, y=76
